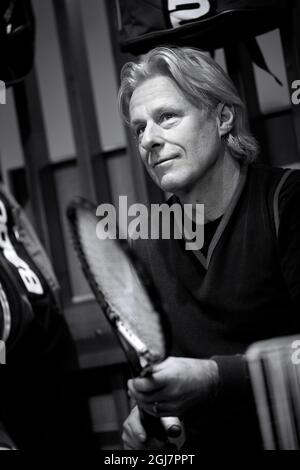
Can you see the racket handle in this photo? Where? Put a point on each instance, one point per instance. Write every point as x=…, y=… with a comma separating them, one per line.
x=161, y=428
x=172, y=425
x=153, y=426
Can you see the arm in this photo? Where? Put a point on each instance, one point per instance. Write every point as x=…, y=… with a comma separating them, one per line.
x=234, y=378
x=289, y=236
x=233, y=370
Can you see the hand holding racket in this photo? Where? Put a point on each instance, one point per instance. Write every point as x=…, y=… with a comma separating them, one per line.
x=127, y=298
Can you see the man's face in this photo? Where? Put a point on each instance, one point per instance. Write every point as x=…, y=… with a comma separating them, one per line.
x=178, y=142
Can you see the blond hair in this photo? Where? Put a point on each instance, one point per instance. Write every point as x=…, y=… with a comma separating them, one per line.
x=202, y=81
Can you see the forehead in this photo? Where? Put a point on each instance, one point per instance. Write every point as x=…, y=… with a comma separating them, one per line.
x=153, y=93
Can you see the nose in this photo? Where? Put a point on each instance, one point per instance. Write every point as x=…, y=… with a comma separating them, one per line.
x=152, y=137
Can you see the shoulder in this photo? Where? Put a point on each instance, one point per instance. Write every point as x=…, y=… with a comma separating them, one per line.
x=289, y=195
x=270, y=173
x=273, y=182
x=285, y=203
x=265, y=175
x=290, y=186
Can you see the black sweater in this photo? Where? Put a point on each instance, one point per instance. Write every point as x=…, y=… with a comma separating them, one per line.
x=246, y=289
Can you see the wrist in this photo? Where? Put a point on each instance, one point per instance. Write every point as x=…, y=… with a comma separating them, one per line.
x=208, y=379
x=234, y=378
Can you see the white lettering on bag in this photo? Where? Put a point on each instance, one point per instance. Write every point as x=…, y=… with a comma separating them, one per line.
x=29, y=278
x=179, y=13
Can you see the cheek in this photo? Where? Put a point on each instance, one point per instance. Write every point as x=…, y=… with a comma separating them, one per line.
x=206, y=141
x=142, y=155
x=196, y=145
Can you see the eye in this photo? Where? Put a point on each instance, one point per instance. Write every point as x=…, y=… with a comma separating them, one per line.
x=139, y=131
x=167, y=116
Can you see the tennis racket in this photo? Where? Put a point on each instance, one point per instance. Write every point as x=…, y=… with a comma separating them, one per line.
x=126, y=296
x=274, y=367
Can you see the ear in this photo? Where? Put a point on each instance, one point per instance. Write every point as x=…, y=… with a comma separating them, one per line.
x=225, y=118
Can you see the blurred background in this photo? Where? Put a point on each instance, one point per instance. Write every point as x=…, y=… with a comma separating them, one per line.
x=61, y=136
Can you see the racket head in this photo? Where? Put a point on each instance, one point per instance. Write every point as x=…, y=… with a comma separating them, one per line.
x=122, y=286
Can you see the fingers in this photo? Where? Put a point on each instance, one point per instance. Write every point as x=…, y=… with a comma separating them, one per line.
x=145, y=385
x=144, y=392
x=132, y=442
x=155, y=402
x=145, y=398
x=134, y=435
x=159, y=409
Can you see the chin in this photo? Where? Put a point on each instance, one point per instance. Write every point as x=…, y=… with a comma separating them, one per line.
x=172, y=184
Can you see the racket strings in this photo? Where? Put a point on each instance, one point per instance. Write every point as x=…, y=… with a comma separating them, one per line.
x=121, y=288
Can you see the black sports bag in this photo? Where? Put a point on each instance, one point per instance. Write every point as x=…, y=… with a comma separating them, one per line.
x=207, y=24
x=17, y=36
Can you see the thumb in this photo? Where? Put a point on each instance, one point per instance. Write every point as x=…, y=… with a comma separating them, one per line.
x=139, y=429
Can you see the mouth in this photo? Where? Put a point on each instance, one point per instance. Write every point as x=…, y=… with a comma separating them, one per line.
x=165, y=160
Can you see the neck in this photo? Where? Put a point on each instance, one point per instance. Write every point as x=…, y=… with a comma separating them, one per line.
x=215, y=190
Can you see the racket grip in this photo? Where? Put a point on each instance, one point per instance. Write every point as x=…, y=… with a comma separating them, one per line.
x=172, y=425
x=153, y=426
x=161, y=428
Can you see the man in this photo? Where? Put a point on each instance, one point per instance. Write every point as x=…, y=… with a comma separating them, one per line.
x=244, y=284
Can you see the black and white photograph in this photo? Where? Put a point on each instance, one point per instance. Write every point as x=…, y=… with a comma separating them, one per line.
x=150, y=228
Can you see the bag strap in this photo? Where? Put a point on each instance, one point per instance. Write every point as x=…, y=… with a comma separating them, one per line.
x=276, y=200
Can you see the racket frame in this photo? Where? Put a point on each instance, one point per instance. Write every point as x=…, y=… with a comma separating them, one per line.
x=139, y=357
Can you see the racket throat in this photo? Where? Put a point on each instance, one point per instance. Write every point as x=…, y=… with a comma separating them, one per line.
x=138, y=345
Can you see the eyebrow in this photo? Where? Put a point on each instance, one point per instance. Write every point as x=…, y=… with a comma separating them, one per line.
x=157, y=112
x=135, y=122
